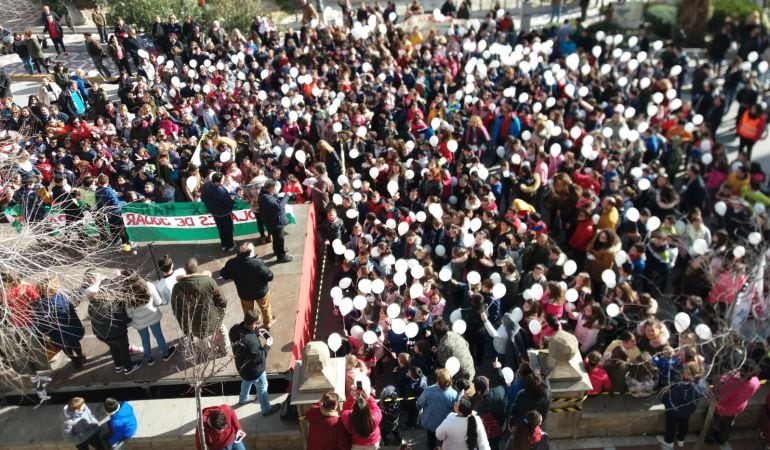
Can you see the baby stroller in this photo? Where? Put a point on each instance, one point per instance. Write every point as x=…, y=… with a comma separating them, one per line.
x=391, y=410
x=764, y=424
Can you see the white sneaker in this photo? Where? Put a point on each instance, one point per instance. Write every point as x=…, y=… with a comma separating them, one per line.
x=680, y=443
x=663, y=442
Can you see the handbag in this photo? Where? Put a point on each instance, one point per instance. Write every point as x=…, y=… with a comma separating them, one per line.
x=491, y=425
x=44, y=42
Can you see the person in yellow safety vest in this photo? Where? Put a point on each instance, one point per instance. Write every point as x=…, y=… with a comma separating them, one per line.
x=751, y=126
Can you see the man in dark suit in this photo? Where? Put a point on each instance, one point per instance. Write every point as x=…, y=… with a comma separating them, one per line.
x=272, y=209
x=220, y=205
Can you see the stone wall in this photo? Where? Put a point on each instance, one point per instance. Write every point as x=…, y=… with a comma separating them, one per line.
x=613, y=416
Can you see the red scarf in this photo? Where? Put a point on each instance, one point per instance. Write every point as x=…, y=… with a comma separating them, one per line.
x=537, y=434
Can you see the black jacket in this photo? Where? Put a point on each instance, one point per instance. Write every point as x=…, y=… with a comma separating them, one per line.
x=250, y=274
x=109, y=321
x=217, y=200
x=250, y=354
x=272, y=210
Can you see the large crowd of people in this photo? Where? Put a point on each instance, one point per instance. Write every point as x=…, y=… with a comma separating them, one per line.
x=479, y=190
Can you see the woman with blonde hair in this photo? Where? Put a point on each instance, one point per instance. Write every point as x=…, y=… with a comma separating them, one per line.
x=476, y=134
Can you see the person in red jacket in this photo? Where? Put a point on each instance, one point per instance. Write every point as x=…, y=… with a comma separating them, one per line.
x=221, y=429
x=326, y=431
x=361, y=416
x=584, y=232
x=600, y=380
x=750, y=128
x=733, y=393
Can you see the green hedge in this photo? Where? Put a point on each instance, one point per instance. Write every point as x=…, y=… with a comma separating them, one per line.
x=231, y=13
x=662, y=18
x=725, y=8
x=607, y=26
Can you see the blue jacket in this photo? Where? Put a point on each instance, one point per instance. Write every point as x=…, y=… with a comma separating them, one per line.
x=436, y=404
x=272, y=209
x=123, y=424
x=217, y=200
x=106, y=197
x=513, y=130
x=681, y=398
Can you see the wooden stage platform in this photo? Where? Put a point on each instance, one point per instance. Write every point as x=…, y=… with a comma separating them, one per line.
x=99, y=371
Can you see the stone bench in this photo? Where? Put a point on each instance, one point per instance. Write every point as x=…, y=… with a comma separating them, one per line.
x=167, y=424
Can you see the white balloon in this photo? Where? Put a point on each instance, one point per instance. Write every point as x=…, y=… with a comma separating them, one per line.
x=459, y=326
x=706, y=158
x=345, y=282
x=570, y=267
x=411, y=330
x=536, y=290
x=346, y=306
x=475, y=224
x=508, y=375
x=440, y=250
x=681, y=322
x=755, y=238
x=517, y=314
x=608, y=276
x=334, y=341
x=535, y=327
x=653, y=223
x=421, y=216
x=632, y=214
x=365, y=285
x=621, y=257
x=416, y=291
x=739, y=251
x=445, y=274
x=473, y=277
x=555, y=149
x=336, y=292
x=700, y=246
x=452, y=145
x=613, y=310
x=403, y=227
x=359, y=302
x=370, y=337
x=720, y=208
x=435, y=210
x=498, y=291
x=417, y=271
x=643, y=184
x=572, y=295
x=378, y=286
x=399, y=278
x=703, y=331
x=452, y=364
x=398, y=326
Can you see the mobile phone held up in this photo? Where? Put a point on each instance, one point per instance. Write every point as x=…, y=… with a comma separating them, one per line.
x=359, y=385
x=239, y=436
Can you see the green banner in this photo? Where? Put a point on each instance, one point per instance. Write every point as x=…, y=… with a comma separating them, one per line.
x=184, y=222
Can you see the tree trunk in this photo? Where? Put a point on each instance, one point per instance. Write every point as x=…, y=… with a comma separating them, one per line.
x=199, y=412
x=701, y=444
x=694, y=16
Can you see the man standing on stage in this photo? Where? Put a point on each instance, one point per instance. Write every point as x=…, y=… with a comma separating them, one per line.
x=220, y=205
x=273, y=210
x=200, y=308
x=251, y=276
